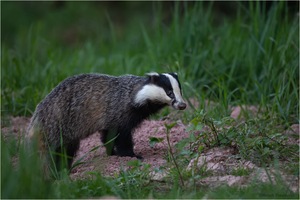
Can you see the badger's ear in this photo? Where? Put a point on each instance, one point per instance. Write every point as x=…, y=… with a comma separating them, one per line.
x=153, y=76
x=174, y=74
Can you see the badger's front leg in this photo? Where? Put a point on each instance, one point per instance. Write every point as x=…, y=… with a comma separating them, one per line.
x=124, y=144
x=108, y=139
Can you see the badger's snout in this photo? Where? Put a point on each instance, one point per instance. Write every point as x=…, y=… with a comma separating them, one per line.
x=179, y=105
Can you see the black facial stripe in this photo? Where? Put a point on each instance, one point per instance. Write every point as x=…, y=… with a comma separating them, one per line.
x=174, y=75
x=173, y=102
x=164, y=82
x=171, y=94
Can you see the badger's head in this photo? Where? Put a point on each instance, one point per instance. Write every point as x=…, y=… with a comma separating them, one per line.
x=161, y=89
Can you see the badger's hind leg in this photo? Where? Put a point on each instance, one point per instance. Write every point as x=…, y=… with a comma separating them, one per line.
x=124, y=144
x=72, y=148
x=64, y=155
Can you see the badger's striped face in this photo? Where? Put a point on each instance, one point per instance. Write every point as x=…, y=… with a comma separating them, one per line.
x=163, y=89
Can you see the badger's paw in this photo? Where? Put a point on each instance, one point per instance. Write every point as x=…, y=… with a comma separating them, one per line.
x=128, y=153
x=139, y=157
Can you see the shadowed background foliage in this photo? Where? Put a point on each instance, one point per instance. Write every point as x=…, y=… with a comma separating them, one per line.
x=233, y=52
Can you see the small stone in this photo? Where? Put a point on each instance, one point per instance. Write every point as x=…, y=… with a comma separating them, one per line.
x=157, y=176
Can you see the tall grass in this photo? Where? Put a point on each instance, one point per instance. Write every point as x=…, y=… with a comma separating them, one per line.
x=249, y=59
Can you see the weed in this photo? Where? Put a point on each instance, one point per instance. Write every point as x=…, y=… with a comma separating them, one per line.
x=266, y=190
x=240, y=172
x=254, y=139
x=168, y=128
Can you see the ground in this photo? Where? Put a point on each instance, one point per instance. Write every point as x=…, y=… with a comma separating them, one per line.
x=219, y=161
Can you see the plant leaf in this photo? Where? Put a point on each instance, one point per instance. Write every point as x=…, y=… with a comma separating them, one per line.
x=154, y=140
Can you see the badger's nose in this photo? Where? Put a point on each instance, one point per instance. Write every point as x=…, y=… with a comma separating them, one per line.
x=181, y=106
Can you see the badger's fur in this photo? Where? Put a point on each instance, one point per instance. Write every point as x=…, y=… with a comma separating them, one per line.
x=83, y=104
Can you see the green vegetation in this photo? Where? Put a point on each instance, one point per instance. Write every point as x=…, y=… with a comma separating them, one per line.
x=255, y=139
x=249, y=58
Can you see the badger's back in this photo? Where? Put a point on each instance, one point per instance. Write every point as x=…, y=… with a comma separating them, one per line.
x=84, y=104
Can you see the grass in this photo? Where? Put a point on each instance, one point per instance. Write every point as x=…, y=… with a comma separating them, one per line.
x=251, y=58
x=134, y=183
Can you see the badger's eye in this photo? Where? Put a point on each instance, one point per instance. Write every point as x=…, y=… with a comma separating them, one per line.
x=170, y=94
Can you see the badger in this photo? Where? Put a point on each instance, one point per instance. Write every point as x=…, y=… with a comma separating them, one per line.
x=84, y=104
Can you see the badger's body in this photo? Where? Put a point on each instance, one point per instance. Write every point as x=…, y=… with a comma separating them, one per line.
x=81, y=105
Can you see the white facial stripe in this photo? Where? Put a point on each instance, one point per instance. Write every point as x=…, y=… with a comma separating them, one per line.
x=153, y=93
x=175, y=87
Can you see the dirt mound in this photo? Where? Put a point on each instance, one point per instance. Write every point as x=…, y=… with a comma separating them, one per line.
x=219, y=162
x=109, y=165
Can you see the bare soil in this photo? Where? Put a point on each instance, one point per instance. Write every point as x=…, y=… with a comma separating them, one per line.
x=217, y=160
x=109, y=165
